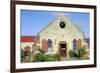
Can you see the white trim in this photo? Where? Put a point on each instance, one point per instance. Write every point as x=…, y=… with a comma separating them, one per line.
x=52, y=64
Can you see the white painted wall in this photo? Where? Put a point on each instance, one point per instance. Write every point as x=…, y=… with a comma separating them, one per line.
x=5, y=37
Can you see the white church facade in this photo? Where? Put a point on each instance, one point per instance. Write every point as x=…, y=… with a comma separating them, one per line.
x=60, y=36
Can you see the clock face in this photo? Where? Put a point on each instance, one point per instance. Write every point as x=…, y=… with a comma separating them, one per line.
x=62, y=24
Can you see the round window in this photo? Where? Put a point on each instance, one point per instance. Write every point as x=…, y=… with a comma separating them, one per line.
x=62, y=24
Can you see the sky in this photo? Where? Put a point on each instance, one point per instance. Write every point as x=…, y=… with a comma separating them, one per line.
x=33, y=21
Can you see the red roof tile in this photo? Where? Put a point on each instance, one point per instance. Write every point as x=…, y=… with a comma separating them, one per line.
x=28, y=38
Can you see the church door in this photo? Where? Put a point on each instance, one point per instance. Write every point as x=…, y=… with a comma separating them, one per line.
x=63, y=49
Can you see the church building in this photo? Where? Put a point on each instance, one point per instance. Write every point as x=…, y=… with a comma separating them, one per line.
x=60, y=36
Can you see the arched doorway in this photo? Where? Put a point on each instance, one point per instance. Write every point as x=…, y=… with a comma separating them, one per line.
x=63, y=48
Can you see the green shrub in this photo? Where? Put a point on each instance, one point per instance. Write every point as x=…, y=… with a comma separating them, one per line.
x=52, y=57
x=29, y=58
x=22, y=55
x=56, y=56
x=71, y=53
x=78, y=53
x=41, y=51
x=49, y=57
x=81, y=52
x=41, y=56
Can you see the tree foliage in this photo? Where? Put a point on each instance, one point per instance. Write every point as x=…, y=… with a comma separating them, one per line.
x=77, y=53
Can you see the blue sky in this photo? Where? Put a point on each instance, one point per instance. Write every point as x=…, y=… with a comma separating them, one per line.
x=33, y=21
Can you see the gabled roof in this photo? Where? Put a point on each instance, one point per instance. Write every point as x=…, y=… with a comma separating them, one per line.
x=69, y=25
x=28, y=38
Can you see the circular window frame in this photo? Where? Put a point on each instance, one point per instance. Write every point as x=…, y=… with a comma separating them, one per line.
x=62, y=24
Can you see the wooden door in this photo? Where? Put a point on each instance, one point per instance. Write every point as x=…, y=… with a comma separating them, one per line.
x=63, y=49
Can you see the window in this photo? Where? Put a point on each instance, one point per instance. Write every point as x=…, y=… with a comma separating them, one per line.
x=74, y=44
x=49, y=45
x=62, y=24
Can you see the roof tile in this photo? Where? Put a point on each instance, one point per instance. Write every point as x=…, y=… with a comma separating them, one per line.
x=28, y=38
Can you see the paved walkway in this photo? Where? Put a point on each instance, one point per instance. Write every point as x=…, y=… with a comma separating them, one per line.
x=67, y=59
x=64, y=59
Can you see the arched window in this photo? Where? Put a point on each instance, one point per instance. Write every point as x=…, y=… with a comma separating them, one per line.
x=49, y=45
x=74, y=44
x=44, y=45
x=79, y=43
